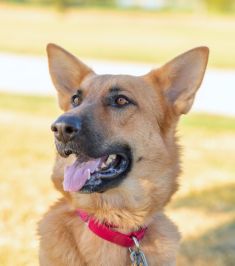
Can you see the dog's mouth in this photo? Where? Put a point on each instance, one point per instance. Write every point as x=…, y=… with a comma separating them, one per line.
x=97, y=175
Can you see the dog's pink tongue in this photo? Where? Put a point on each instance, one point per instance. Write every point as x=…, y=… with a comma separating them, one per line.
x=76, y=175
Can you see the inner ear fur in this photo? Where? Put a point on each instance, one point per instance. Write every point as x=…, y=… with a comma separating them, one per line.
x=180, y=78
x=67, y=73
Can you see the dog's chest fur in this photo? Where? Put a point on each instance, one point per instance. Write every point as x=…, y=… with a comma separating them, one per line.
x=68, y=241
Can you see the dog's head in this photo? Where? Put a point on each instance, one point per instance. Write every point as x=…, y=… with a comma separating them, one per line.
x=117, y=132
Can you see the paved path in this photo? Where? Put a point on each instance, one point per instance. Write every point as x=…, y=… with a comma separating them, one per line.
x=29, y=75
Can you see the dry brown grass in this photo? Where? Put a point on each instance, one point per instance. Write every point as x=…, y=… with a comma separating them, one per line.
x=203, y=208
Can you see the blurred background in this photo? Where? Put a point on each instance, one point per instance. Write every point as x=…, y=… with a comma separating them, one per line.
x=117, y=36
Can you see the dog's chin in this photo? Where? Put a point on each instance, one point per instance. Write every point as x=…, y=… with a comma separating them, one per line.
x=104, y=170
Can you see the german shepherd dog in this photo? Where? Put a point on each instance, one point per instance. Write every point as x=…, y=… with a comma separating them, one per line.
x=117, y=162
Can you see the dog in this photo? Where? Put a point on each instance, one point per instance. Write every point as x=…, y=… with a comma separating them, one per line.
x=117, y=162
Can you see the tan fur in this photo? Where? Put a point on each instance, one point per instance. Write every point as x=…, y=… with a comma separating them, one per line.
x=162, y=95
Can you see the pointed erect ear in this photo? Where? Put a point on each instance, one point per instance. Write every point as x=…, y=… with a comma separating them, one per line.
x=180, y=78
x=67, y=72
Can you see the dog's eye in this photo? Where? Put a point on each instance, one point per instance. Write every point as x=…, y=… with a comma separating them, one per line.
x=121, y=101
x=76, y=100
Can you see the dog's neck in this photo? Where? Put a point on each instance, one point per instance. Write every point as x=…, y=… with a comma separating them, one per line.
x=124, y=218
x=110, y=232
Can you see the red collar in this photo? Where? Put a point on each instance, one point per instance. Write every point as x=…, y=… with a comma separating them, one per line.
x=107, y=232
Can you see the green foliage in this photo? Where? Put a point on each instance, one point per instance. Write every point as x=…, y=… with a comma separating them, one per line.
x=224, y=6
x=63, y=4
x=98, y=2
x=220, y=5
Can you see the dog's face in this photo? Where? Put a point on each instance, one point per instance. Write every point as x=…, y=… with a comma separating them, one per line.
x=118, y=131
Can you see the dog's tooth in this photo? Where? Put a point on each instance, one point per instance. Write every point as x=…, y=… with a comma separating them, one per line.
x=109, y=160
x=103, y=165
x=113, y=156
x=89, y=176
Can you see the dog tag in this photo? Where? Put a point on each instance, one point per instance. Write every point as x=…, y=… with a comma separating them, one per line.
x=138, y=258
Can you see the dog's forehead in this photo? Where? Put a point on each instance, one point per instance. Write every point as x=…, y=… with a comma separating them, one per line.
x=103, y=83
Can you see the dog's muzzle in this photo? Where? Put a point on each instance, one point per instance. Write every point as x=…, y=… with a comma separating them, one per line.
x=100, y=165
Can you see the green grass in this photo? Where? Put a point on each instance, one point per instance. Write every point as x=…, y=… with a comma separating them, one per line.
x=215, y=199
x=216, y=247
x=204, y=207
x=213, y=123
x=139, y=36
x=28, y=104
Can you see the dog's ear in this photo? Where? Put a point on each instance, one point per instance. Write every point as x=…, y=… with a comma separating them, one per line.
x=67, y=72
x=180, y=78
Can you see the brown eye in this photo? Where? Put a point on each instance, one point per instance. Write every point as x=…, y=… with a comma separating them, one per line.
x=76, y=100
x=121, y=101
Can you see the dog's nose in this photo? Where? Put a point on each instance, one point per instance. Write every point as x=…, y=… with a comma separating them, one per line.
x=66, y=128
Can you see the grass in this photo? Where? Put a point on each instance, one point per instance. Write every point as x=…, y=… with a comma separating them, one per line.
x=132, y=35
x=204, y=207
